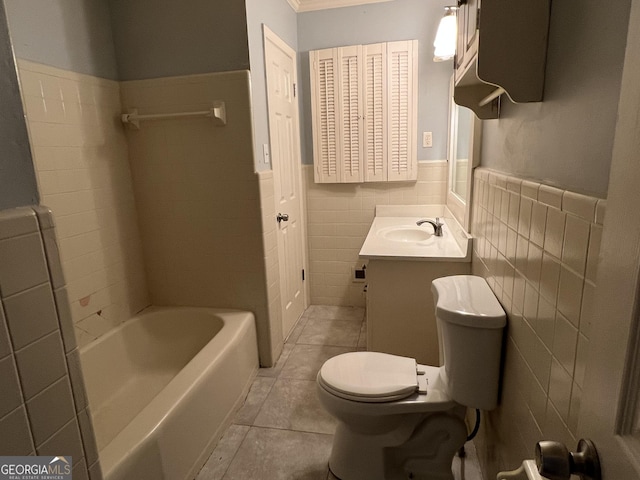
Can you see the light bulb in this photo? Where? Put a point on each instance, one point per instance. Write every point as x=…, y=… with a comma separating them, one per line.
x=445, y=42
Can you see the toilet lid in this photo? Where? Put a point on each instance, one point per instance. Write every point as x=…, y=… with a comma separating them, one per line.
x=370, y=376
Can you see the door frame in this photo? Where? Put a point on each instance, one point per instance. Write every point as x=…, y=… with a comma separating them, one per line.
x=270, y=36
x=613, y=368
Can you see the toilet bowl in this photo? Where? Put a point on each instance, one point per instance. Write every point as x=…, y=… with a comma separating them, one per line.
x=398, y=419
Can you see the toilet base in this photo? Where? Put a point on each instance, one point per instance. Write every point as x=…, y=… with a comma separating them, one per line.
x=422, y=453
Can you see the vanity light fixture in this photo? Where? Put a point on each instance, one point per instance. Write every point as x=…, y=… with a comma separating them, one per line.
x=445, y=42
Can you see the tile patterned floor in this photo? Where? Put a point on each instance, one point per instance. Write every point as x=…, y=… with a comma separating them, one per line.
x=282, y=432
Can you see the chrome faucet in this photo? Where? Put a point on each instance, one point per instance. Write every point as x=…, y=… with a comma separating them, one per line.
x=437, y=226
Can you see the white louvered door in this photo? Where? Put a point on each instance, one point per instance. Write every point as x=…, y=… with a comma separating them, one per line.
x=401, y=110
x=375, y=95
x=323, y=105
x=364, y=111
x=350, y=106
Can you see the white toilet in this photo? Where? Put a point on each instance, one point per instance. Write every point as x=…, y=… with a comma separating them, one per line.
x=401, y=420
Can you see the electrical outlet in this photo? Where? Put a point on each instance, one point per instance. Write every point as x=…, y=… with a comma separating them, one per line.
x=427, y=139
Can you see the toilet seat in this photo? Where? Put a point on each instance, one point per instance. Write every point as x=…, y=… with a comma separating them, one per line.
x=371, y=377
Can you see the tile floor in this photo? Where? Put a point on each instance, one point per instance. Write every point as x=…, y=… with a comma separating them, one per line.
x=282, y=432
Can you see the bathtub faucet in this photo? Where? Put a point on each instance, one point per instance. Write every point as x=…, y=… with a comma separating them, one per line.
x=437, y=226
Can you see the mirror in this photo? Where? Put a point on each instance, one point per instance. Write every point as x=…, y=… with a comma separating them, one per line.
x=460, y=155
x=463, y=155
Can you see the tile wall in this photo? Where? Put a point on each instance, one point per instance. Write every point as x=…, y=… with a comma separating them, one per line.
x=267, y=202
x=538, y=247
x=198, y=198
x=339, y=217
x=43, y=405
x=81, y=159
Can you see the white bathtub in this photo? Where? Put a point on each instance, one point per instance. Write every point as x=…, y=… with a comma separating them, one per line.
x=164, y=385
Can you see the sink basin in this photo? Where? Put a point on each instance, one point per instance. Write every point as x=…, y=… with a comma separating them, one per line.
x=405, y=234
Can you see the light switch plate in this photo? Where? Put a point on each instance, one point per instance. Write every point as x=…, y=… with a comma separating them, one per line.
x=266, y=156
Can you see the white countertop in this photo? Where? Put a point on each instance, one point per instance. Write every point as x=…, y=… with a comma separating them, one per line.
x=453, y=246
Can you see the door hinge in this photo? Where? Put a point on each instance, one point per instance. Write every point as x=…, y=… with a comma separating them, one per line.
x=303, y=274
x=294, y=90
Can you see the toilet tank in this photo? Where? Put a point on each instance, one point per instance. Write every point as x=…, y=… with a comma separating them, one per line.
x=470, y=324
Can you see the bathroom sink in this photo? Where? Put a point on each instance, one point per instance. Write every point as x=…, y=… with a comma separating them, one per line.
x=394, y=235
x=405, y=234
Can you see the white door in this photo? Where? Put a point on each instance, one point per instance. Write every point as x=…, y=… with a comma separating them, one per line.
x=610, y=407
x=282, y=103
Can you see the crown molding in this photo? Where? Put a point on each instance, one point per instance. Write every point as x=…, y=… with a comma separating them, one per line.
x=312, y=5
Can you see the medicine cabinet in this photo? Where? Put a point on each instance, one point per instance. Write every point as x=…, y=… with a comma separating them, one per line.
x=501, y=49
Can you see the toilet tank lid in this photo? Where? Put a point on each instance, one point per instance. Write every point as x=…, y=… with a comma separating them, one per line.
x=467, y=300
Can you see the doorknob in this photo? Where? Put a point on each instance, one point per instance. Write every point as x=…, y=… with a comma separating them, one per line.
x=555, y=462
x=282, y=217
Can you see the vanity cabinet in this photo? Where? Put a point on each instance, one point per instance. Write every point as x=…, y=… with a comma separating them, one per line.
x=401, y=317
x=403, y=259
x=364, y=101
x=501, y=49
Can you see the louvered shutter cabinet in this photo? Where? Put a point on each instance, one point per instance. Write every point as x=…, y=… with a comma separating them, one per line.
x=364, y=112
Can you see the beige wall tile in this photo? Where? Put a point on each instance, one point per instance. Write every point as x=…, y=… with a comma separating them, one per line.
x=16, y=437
x=524, y=219
x=31, y=314
x=67, y=439
x=565, y=343
x=545, y=322
x=50, y=410
x=560, y=390
x=534, y=265
x=35, y=373
x=5, y=345
x=80, y=471
x=595, y=238
x=41, y=364
x=548, y=342
x=580, y=205
x=339, y=218
x=601, y=207
x=16, y=274
x=576, y=244
x=17, y=221
x=582, y=352
x=11, y=397
x=83, y=172
x=530, y=189
x=554, y=232
x=550, y=196
x=570, y=295
x=538, y=223
x=549, y=278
